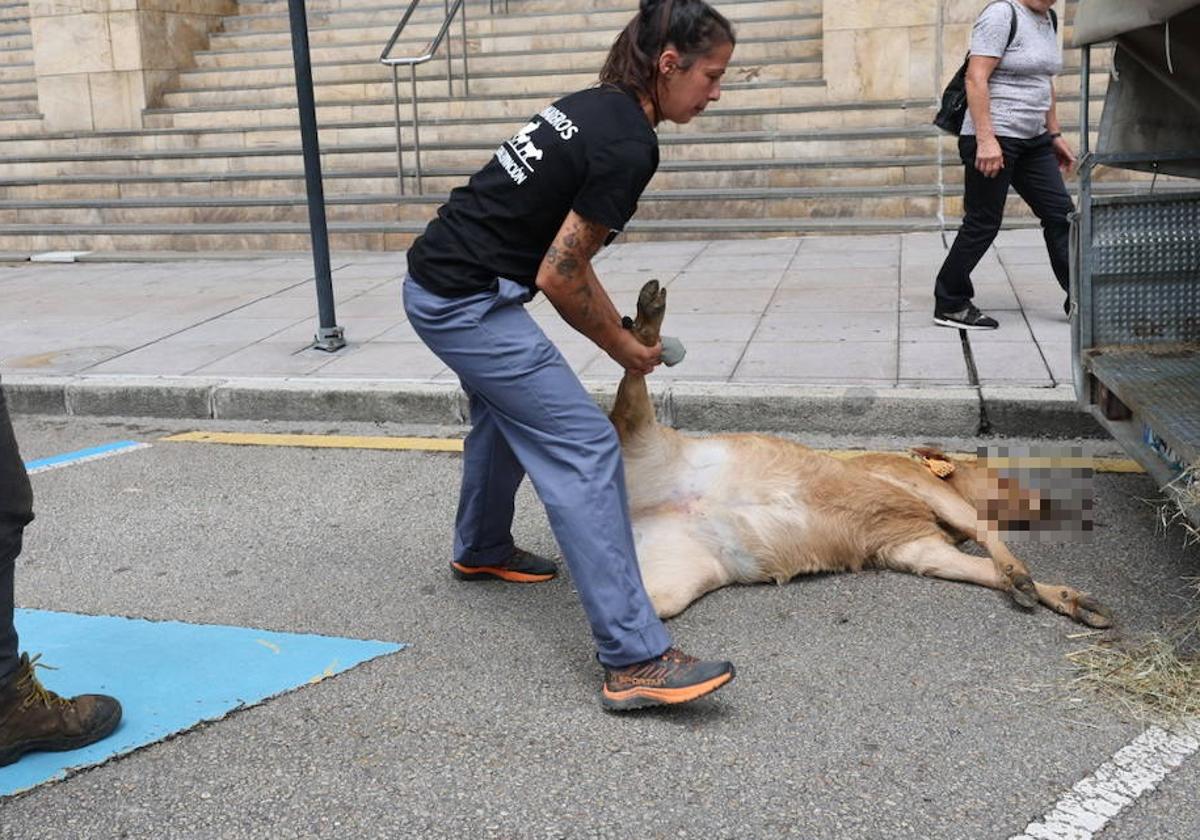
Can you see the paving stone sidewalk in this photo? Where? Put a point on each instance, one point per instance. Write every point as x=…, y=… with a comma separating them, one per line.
x=823, y=330
x=808, y=310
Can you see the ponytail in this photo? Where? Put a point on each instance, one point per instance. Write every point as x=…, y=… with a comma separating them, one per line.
x=692, y=27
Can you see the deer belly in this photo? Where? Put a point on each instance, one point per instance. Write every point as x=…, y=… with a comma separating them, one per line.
x=707, y=500
x=660, y=483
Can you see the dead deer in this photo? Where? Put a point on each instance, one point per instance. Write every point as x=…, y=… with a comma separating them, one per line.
x=745, y=508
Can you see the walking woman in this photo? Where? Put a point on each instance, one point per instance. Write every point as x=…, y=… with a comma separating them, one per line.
x=531, y=220
x=1010, y=136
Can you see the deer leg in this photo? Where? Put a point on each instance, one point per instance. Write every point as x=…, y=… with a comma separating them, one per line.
x=1022, y=587
x=959, y=515
x=676, y=568
x=1075, y=604
x=633, y=410
x=931, y=557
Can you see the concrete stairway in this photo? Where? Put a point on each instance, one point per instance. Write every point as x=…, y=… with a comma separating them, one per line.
x=18, y=90
x=218, y=165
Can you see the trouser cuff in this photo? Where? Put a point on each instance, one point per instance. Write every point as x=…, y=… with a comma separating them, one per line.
x=489, y=556
x=636, y=645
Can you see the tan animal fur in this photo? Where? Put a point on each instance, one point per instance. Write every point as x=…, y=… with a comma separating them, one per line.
x=711, y=511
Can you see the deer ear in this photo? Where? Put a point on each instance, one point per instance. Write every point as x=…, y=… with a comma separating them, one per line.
x=934, y=461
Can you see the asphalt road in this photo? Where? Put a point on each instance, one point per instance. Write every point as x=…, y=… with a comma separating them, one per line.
x=870, y=705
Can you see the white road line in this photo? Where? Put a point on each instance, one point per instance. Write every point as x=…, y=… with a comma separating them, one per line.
x=1134, y=770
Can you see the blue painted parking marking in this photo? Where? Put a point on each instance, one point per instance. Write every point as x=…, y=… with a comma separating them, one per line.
x=168, y=675
x=92, y=453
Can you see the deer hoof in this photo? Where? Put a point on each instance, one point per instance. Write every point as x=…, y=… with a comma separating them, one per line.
x=1091, y=612
x=652, y=301
x=1023, y=591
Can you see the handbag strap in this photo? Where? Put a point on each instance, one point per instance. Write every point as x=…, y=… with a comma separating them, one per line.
x=1012, y=26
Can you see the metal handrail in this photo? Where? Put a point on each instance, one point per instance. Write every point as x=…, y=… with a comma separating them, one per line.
x=412, y=62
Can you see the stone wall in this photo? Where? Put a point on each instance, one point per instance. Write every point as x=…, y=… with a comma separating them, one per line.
x=896, y=49
x=99, y=63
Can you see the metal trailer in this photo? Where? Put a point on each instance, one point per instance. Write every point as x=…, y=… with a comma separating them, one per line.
x=1135, y=259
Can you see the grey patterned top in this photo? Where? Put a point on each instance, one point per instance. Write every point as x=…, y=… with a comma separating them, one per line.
x=1020, y=87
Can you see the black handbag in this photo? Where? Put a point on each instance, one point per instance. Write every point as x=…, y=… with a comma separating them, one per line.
x=950, y=115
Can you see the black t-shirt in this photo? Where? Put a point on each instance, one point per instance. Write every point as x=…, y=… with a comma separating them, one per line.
x=592, y=152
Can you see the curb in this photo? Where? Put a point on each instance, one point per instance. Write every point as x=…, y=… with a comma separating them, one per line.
x=946, y=412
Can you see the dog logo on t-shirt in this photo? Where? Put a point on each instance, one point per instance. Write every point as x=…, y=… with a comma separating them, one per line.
x=518, y=162
x=518, y=154
x=524, y=147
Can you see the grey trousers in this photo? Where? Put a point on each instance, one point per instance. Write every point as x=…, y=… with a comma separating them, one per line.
x=531, y=415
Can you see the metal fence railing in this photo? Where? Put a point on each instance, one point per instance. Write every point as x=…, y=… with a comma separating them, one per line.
x=395, y=62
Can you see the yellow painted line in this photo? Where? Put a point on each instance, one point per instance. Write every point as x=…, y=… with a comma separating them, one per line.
x=1104, y=465
x=1118, y=465
x=320, y=441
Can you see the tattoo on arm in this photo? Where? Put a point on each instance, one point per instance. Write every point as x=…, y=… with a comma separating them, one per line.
x=568, y=266
x=573, y=249
x=569, y=258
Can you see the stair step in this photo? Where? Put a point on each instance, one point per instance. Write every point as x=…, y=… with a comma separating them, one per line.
x=385, y=16
x=748, y=61
x=367, y=49
x=441, y=127
x=479, y=9
x=897, y=140
x=23, y=88
x=16, y=57
x=515, y=105
x=550, y=83
x=17, y=70
x=19, y=106
x=774, y=172
x=353, y=25
x=397, y=236
x=366, y=45
x=781, y=172
x=654, y=205
x=16, y=41
x=437, y=125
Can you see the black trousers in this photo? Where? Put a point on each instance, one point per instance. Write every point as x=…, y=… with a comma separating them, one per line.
x=1031, y=168
x=16, y=511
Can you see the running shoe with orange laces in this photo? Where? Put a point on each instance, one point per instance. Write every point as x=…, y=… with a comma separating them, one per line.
x=673, y=677
x=522, y=567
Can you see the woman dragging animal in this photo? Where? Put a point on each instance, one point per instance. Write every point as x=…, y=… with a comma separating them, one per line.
x=532, y=220
x=1010, y=137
